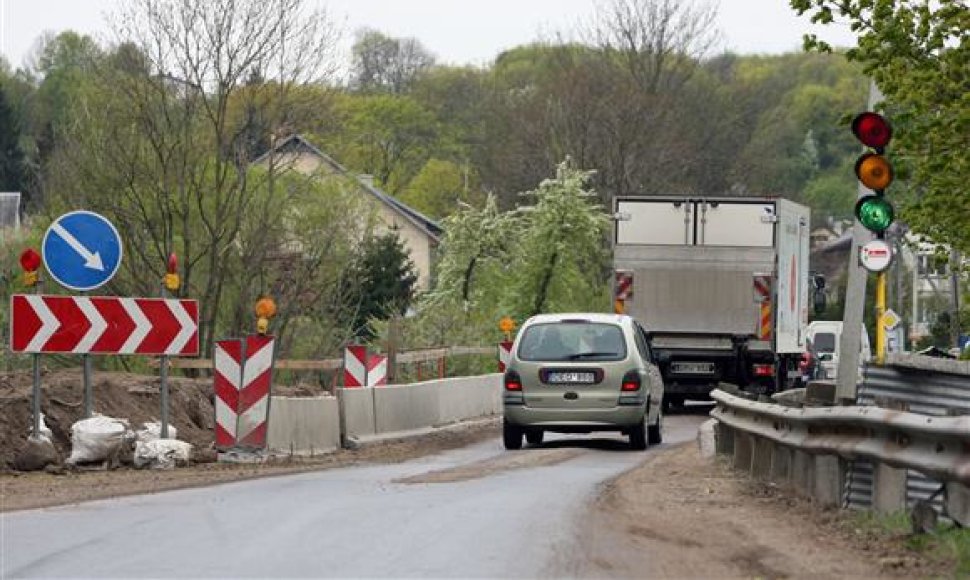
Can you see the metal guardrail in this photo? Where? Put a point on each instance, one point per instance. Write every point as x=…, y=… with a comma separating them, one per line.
x=935, y=446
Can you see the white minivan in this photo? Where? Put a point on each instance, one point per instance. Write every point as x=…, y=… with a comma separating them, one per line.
x=826, y=342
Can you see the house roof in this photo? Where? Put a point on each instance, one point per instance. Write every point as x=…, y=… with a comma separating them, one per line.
x=298, y=144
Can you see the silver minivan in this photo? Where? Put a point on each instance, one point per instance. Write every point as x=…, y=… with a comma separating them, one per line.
x=580, y=373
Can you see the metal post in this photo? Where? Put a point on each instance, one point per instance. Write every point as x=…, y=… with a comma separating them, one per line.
x=163, y=386
x=880, y=310
x=163, y=376
x=35, y=393
x=35, y=399
x=855, y=295
x=88, y=394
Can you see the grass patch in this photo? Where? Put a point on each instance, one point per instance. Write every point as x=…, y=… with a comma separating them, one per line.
x=948, y=546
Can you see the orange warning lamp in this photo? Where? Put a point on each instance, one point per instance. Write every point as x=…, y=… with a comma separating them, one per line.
x=265, y=309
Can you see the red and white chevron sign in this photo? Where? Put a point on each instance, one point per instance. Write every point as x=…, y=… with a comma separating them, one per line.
x=504, y=355
x=377, y=370
x=103, y=325
x=242, y=383
x=355, y=371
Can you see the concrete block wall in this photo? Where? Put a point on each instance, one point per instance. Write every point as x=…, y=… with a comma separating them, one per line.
x=395, y=408
x=303, y=425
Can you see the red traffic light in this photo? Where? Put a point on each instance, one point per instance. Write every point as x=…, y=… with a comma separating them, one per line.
x=872, y=129
x=30, y=260
x=173, y=263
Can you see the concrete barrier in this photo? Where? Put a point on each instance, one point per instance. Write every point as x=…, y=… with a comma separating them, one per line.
x=396, y=408
x=303, y=425
x=356, y=412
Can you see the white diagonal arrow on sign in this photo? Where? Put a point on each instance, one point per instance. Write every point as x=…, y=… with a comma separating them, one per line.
x=98, y=324
x=257, y=364
x=188, y=327
x=49, y=323
x=227, y=368
x=91, y=260
x=142, y=326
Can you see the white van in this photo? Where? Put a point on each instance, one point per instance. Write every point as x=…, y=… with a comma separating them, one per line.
x=826, y=340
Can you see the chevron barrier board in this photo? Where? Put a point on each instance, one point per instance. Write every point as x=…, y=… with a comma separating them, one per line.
x=504, y=355
x=103, y=325
x=377, y=370
x=242, y=383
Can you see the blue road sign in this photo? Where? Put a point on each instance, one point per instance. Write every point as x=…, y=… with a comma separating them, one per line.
x=82, y=250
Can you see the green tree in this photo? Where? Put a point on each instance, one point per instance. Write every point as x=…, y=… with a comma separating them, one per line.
x=560, y=260
x=385, y=64
x=385, y=277
x=387, y=136
x=918, y=54
x=11, y=157
x=155, y=146
x=438, y=188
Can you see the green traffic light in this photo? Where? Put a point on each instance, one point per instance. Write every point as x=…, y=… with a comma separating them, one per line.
x=875, y=213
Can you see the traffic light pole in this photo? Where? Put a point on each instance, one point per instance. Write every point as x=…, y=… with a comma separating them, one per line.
x=880, y=310
x=851, y=340
x=855, y=296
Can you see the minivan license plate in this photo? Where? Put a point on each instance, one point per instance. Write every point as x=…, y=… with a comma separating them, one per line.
x=559, y=377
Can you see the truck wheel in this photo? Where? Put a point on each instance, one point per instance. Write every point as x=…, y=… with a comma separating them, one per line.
x=638, y=435
x=655, y=432
x=534, y=436
x=511, y=436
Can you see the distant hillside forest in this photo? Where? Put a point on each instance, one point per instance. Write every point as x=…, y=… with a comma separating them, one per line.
x=434, y=135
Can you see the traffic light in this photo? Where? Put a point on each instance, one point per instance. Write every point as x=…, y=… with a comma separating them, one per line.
x=873, y=210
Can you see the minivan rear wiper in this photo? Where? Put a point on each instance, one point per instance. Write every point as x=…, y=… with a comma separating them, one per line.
x=580, y=355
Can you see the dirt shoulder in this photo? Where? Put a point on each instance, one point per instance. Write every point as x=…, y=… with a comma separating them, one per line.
x=682, y=515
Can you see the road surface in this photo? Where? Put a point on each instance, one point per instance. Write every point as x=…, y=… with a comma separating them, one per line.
x=478, y=511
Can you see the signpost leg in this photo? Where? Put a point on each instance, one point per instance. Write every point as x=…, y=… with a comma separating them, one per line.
x=880, y=323
x=88, y=395
x=163, y=376
x=35, y=400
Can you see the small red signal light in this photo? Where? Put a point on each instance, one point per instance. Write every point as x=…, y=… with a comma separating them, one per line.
x=173, y=263
x=30, y=260
x=872, y=129
x=764, y=370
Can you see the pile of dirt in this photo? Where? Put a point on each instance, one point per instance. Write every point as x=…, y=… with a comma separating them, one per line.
x=120, y=395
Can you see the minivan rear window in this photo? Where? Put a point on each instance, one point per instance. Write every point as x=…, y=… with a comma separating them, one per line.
x=824, y=342
x=572, y=341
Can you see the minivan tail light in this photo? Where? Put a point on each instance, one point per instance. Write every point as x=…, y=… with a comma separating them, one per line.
x=763, y=370
x=631, y=382
x=512, y=381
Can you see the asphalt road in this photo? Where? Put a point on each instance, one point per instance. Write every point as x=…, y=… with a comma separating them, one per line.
x=474, y=512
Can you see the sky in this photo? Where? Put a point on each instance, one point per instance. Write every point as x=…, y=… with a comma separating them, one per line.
x=455, y=31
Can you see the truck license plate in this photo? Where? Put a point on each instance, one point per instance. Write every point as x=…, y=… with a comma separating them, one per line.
x=692, y=368
x=570, y=377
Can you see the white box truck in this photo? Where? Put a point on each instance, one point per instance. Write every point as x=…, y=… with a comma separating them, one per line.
x=721, y=285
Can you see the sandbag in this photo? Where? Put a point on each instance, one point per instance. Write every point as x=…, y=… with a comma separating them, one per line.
x=162, y=453
x=98, y=439
x=153, y=430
